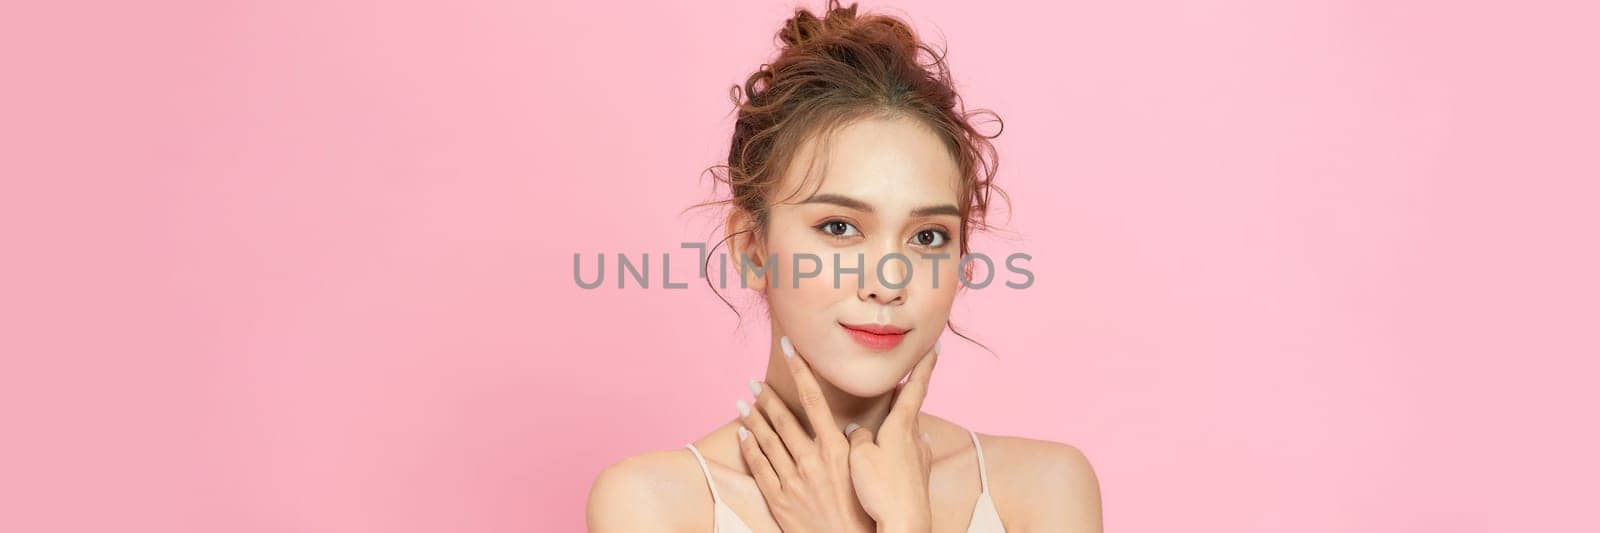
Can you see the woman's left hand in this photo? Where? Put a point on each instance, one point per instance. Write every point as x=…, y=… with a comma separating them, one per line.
x=890, y=470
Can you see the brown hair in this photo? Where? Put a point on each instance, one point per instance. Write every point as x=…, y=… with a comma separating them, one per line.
x=833, y=71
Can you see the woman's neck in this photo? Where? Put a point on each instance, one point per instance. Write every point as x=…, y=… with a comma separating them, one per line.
x=868, y=412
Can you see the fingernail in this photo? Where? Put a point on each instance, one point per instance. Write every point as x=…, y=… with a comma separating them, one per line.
x=743, y=433
x=851, y=427
x=744, y=409
x=788, y=348
x=755, y=388
x=937, y=345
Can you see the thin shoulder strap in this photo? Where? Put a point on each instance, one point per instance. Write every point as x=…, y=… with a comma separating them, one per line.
x=983, y=470
x=707, y=471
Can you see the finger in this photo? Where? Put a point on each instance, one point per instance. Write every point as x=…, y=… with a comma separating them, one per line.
x=783, y=422
x=812, y=401
x=771, y=445
x=909, y=402
x=859, y=436
x=761, y=469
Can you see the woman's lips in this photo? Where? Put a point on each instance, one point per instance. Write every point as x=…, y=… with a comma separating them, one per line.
x=874, y=336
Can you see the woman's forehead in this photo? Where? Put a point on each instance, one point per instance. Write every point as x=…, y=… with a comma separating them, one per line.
x=888, y=161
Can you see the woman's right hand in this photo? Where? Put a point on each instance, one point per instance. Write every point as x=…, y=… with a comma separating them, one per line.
x=806, y=482
x=890, y=470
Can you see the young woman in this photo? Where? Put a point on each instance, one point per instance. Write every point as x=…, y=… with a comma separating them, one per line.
x=852, y=159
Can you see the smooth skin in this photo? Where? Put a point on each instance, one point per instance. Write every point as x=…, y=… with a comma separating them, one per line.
x=886, y=187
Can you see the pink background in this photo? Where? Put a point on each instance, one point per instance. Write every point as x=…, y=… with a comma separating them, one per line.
x=306, y=266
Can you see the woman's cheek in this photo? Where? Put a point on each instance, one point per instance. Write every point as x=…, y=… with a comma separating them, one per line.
x=940, y=295
x=803, y=293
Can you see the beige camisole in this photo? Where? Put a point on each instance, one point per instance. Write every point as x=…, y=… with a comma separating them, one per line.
x=984, y=517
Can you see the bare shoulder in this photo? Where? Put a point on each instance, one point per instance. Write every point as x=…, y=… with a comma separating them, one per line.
x=1042, y=485
x=652, y=491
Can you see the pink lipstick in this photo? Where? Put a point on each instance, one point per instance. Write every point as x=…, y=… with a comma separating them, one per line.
x=874, y=336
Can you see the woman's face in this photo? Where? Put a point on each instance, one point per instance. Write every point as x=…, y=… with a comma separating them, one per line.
x=885, y=189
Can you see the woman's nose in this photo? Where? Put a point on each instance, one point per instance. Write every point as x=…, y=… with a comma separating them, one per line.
x=886, y=279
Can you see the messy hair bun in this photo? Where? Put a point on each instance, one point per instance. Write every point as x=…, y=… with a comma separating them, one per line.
x=802, y=27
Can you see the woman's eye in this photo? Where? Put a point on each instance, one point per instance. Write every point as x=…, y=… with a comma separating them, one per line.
x=930, y=238
x=838, y=228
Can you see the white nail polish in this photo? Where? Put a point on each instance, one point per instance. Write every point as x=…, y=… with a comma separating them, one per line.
x=851, y=427
x=755, y=388
x=788, y=348
x=743, y=433
x=744, y=409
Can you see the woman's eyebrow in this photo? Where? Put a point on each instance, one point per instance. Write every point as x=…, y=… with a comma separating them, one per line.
x=946, y=209
x=852, y=203
x=839, y=200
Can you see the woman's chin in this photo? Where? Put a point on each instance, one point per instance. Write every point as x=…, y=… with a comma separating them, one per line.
x=858, y=372
x=865, y=386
